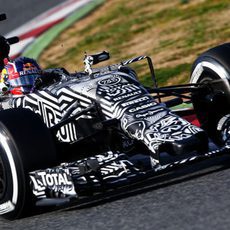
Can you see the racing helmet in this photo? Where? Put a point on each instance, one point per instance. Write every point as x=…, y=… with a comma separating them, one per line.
x=19, y=75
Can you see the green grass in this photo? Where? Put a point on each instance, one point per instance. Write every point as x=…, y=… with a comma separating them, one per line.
x=166, y=74
x=44, y=40
x=198, y=33
x=172, y=32
x=206, y=8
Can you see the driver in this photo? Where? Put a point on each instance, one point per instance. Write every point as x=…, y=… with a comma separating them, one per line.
x=18, y=76
x=24, y=75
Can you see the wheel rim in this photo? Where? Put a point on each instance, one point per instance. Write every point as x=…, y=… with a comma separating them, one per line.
x=2, y=179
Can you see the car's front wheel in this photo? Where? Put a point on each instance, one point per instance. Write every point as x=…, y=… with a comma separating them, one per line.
x=25, y=145
x=212, y=99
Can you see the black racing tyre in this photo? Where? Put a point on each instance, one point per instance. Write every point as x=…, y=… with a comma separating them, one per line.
x=25, y=145
x=212, y=64
x=212, y=69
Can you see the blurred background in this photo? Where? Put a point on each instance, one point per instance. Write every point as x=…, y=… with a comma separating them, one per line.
x=172, y=32
x=21, y=11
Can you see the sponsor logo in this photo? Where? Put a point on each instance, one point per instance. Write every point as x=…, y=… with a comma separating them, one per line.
x=51, y=179
x=30, y=72
x=110, y=81
x=135, y=101
x=29, y=68
x=57, y=179
x=134, y=128
x=149, y=113
x=28, y=65
x=127, y=95
x=145, y=106
x=197, y=73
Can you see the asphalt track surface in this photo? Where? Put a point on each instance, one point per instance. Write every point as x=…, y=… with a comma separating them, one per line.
x=21, y=11
x=196, y=197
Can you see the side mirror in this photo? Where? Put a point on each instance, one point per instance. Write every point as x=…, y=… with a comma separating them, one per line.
x=99, y=57
x=93, y=59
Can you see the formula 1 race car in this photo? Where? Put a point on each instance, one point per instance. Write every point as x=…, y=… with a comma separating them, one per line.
x=100, y=129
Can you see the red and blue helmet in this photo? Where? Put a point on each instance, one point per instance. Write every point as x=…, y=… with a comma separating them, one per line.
x=20, y=75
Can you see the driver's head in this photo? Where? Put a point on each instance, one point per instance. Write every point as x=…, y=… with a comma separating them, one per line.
x=4, y=51
x=20, y=75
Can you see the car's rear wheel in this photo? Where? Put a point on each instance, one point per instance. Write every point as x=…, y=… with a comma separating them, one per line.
x=212, y=70
x=25, y=145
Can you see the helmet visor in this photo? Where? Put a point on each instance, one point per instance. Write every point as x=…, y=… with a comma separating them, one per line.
x=24, y=80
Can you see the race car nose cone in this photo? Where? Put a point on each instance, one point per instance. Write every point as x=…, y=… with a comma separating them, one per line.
x=198, y=142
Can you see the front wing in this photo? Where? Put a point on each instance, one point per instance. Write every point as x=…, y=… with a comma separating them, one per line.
x=101, y=174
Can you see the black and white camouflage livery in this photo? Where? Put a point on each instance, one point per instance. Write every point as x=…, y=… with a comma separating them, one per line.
x=109, y=131
x=116, y=95
x=89, y=134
